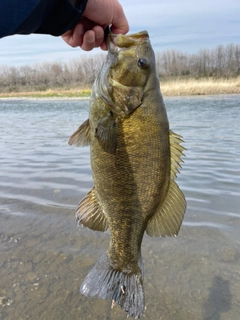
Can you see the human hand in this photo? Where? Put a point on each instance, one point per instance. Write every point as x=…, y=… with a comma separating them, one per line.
x=89, y=32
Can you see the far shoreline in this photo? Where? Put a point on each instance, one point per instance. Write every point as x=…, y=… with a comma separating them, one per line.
x=174, y=87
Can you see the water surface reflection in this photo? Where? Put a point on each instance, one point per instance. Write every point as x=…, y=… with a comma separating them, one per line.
x=44, y=256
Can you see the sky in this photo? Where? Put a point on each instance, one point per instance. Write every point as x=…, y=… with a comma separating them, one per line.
x=182, y=25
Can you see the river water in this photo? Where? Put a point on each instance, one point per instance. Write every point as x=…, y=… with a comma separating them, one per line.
x=44, y=255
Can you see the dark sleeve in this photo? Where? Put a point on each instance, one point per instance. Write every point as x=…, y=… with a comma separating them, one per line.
x=53, y=17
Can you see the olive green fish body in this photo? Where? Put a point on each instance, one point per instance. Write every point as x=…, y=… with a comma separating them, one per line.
x=135, y=178
x=134, y=159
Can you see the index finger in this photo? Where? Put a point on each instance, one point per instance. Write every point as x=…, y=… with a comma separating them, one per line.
x=119, y=21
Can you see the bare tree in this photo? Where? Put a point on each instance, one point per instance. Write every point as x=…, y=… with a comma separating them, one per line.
x=223, y=61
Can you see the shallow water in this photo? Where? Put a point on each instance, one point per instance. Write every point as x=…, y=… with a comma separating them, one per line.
x=44, y=256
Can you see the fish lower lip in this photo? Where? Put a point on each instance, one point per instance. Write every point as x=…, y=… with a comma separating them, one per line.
x=112, y=45
x=117, y=41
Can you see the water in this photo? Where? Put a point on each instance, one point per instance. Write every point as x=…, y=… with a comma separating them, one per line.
x=44, y=256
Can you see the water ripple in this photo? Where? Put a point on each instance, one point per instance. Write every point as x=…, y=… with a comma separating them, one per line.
x=44, y=256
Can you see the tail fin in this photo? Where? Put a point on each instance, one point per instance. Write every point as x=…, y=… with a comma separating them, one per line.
x=123, y=288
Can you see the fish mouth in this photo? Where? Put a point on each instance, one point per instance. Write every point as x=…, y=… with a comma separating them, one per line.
x=108, y=84
x=116, y=42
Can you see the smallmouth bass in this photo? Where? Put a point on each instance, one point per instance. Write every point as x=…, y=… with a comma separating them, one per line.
x=135, y=159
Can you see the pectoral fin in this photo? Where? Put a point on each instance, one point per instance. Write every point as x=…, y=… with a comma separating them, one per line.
x=169, y=215
x=81, y=137
x=89, y=213
x=106, y=133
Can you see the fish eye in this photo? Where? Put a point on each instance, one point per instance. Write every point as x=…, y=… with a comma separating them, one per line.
x=142, y=63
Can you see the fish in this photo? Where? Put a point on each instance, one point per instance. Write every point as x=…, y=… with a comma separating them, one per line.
x=135, y=159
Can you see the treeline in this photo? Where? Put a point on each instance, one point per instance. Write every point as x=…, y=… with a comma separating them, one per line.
x=42, y=76
x=221, y=62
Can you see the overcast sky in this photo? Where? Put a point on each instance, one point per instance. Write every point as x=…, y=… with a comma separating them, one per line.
x=185, y=25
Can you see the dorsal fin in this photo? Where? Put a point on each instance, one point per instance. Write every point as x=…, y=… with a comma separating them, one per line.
x=89, y=213
x=176, y=152
x=81, y=137
x=169, y=215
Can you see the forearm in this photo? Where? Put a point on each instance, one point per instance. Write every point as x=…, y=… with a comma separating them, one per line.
x=52, y=17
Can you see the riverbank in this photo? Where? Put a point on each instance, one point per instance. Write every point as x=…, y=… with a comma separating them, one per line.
x=206, y=86
x=177, y=87
x=48, y=94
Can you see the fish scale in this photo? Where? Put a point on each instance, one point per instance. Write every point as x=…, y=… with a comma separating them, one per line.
x=134, y=160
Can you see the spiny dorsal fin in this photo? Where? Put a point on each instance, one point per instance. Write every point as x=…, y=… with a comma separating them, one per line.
x=169, y=215
x=81, y=137
x=89, y=213
x=176, y=151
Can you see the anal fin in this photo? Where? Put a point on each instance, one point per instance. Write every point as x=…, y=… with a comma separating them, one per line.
x=89, y=213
